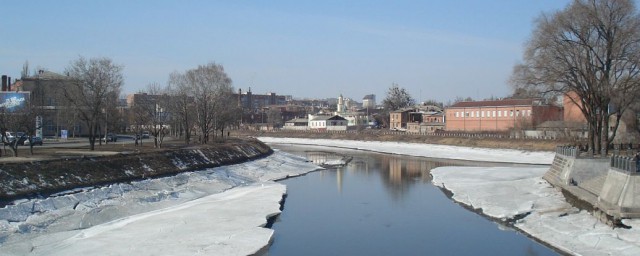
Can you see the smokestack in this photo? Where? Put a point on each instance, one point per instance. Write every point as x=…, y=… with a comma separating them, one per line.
x=9, y=85
x=4, y=83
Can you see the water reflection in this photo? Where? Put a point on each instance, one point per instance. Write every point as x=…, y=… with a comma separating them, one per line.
x=402, y=172
x=380, y=204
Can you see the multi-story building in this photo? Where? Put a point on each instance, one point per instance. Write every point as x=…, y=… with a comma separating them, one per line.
x=499, y=115
x=425, y=122
x=47, y=93
x=572, y=113
x=398, y=119
x=248, y=100
x=369, y=101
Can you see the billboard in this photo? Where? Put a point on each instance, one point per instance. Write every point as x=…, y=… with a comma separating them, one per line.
x=13, y=101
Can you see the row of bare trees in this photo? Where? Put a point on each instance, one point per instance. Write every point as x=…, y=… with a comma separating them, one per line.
x=590, y=49
x=196, y=102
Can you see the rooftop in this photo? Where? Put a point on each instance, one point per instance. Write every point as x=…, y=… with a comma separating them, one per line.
x=495, y=103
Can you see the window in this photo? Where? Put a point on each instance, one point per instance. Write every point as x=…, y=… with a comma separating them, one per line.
x=477, y=113
x=518, y=112
x=499, y=113
x=511, y=113
x=482, y=114
x=466, y=114
x=505, y=113
x=471, y=113
x=529, y=112
x=494, y=113
x=457, y=113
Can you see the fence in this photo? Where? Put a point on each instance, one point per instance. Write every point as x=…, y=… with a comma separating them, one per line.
x=625, y=163
x=391, y=132
x=569, y=151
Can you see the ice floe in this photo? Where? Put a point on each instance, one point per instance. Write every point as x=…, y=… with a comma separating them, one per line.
x=218, y=211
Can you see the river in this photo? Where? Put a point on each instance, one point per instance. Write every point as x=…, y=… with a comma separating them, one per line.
x=381, y=204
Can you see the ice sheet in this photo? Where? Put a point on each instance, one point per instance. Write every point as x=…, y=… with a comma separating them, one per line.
x=217, y=211
x=508, y=192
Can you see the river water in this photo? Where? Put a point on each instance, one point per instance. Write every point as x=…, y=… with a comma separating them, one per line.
x=381, y=204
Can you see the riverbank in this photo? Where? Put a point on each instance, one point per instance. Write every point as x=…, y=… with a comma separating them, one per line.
x=517, y=196
x=67, y=171
x=428, y=150
x=222, y=211
x=520, y=197
x=383, y=135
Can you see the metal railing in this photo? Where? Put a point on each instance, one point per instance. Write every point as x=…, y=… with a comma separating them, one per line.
x=569, y=151
x=625, y=163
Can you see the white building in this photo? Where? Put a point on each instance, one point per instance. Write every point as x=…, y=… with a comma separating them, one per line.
x=327, y=123
x=369, y=101
x=296, y=124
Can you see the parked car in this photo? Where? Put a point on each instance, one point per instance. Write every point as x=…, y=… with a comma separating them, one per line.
x=35, y=140
x=145, y=135
x=22, y=137
x=110, y=137
x=10, y=136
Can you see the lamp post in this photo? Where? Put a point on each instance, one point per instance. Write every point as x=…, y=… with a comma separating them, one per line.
x=106, y=124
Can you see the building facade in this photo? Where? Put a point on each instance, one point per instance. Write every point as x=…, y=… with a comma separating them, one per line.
x=327, y=123
x=297, y=124
x=398, y=119
x=369, y=101
x=499, y=115
x=571, y=104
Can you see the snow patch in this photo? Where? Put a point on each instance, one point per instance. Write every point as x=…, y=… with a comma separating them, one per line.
x=508, y=192
x=217, y=210
x=427, y=150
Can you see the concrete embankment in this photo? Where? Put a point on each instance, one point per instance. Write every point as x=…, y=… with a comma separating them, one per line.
x=607, y=185
x=20, y=180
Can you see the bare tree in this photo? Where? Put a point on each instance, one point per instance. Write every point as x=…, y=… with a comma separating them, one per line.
x=152, y=112
x=181, y=105
x=591, y=48
x=138, y=117
x=209, y=85
x=25, y=70
x=274, y=116
x=19, y=118
x=94, y=92
x=397, y=98
x=227, y=114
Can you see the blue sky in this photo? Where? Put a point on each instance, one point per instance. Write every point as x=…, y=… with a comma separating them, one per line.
x=317, y=49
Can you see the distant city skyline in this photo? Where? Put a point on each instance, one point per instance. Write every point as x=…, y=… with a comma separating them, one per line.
x=436, y=50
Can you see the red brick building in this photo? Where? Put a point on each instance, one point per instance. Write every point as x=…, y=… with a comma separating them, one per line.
x=499, y=115
x=572, y=113
x=398, y=119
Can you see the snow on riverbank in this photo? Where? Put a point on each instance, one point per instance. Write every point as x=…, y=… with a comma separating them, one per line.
x=507, y=192
x=428, y=150
x=219, y=210
x=510, y=193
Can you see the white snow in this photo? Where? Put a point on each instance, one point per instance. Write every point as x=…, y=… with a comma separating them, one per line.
x=427, y=150
x=217, y=211
x=507, y=192
x=220, y=211
x=504, y=192
x=335, y=162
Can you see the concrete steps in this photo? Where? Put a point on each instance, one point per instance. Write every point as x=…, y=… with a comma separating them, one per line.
x=554, y=173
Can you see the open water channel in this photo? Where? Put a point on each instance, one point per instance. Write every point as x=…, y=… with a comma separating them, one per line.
x=381, y=204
